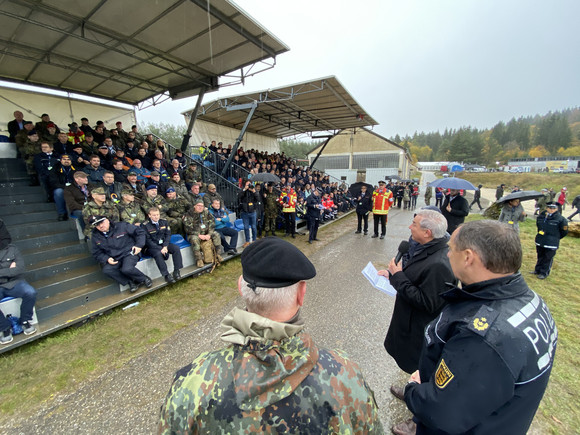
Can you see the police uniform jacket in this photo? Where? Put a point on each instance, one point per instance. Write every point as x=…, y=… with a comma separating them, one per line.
x=365, y=203
x=157, y=238
x=43, y=163
x=424, y=277
x=551, y=228
x=118, y=243
x=459, y=209
x=313, y=203
x=486, y=360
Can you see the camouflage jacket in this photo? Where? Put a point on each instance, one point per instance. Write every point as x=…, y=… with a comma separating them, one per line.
x=194, y=198
x=131, y=212
x=180, y=188
x=271, y=204
x=158, y=202
x=209, y=197
x=92, y=209
x=190, y=176
x=272, y=379
x=178, y=207
x=193, y=223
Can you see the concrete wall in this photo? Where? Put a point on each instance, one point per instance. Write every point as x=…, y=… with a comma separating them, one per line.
x=374, y=175
x=350, y=175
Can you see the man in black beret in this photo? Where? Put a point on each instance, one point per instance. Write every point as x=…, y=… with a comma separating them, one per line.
x=271, y=377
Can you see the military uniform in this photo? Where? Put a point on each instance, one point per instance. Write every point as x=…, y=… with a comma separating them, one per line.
x=191, y=176
x=270, y=212
x=308, y=390
x=180, y=188
x=551, y=228
x=196, y=224
x=158, y=201
x=209, y=197
x=107, y=209
x=194, y=198
x=486, y=360
x=176, y=209
x=131, y=212
x=28, y=151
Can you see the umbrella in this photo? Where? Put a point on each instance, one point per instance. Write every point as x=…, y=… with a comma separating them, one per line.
x=393, y=177
x=355, y=188
x=453, y=183
x=266, y=177
x=522, y=195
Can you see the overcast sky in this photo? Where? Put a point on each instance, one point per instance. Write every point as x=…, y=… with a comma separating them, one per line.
x=422, y=65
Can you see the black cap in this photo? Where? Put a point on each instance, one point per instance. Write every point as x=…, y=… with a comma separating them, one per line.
x=96, y=220
x=273, y=263
x=551, y=204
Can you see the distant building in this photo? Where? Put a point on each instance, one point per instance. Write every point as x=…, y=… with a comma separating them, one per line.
x=361, y=155
x=543, y=164
x=431, y=166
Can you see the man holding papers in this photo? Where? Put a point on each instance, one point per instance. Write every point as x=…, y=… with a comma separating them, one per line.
x=419, y=279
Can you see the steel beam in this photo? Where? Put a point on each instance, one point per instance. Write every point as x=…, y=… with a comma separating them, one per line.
x=239, y=139
x=192, y=119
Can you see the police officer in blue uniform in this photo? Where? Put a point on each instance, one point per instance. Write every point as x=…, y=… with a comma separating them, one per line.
x=552, y=227
x=487, y=358
x=116, y=246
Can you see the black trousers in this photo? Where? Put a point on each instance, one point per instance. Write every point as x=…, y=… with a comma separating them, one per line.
x=125, y=270
x=360, y=218
x=545, y=260
x=159, y=258
x=313, y=224
x=382, y=218
x=290, y=220
x=475, y=201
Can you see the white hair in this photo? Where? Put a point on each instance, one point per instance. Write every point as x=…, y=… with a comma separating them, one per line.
x=266, y=301
x=433, y=221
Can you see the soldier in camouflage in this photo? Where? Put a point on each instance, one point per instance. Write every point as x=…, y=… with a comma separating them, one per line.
x=178, y=184
x=271, y=378
x=177, y=207
x=200, y=225
x=271, y=209
x=152, y=199
x=130, y=210
x=192, y=174
x=99, y=206
x=212, y=195
x=28, y=151
x=193, y=196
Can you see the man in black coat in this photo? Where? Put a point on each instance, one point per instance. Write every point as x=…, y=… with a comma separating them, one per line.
x=116, y=246
x=454, y=208
x=60, y=176
x=313, y=209
x=477, y=198
x=422, y=275
x=552, y=227
x=43, y=163
x=158, y=245
x=364, y=205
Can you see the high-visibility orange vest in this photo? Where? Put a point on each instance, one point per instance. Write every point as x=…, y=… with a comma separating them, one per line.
x=290, y=205
x=382, y=200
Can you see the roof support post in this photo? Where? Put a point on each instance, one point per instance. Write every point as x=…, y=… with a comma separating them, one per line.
x=192, y=119
x=234, y=151
x=319, y=152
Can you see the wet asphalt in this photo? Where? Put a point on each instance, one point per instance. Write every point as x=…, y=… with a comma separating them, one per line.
x=342, y=310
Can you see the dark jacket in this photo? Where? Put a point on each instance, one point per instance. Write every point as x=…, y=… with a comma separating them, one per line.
x=43, y=163
x=247, y=201
x=59, y=176
x=550, y=230
x=121, y=239
x=75, y=198
x=155, y=239
x=424, y=277
x=10, y=276
x=313, y=203
x=484, y=366
x=95, y=175
x=364, y=204
x=459, y=209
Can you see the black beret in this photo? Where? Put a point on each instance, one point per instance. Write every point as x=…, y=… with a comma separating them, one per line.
x=273, y=263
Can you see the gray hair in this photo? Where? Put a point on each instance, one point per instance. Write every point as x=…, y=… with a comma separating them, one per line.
x=496, y=243
x=433, y=221
x=265, y=301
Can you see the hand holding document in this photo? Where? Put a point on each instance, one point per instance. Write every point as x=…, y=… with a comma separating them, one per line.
x=379, y=282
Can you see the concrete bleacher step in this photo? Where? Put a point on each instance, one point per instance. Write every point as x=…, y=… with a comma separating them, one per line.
x=23, y=198
x=45, y=239
x=58, y=265
x=31, y=217
x=28, y=229
x=34, y=255
x=74, y=297
x=20, y=185
x=27, y=208
x=70, y=279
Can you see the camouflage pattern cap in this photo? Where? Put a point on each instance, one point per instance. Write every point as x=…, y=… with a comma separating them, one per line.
x=99, y=191
x=274, y=263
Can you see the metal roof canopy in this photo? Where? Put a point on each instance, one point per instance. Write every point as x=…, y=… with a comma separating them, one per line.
x=317, y=105
x=132, y=51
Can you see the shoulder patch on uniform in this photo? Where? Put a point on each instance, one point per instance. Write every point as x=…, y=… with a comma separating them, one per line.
x=443, y=375
x=482, y=321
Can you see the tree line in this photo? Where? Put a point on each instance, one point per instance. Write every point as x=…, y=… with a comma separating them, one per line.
x=554, y=134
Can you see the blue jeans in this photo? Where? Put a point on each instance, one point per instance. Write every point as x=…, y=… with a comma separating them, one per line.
x=232, y=233
x=59, y=200
x=78, y=214
x=249, y=220
x=24, y=291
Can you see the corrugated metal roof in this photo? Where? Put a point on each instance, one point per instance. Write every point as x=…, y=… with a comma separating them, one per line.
x=129, y=50
x=317, y=105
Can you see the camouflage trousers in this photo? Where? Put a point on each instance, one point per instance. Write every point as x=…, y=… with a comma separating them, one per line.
x=196, y=243
x=176, y=225
x=269, y=223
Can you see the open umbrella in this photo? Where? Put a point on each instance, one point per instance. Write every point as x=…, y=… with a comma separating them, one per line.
x=453, y=183
x=355, y=188
x=265, y=177
x=522, y=195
